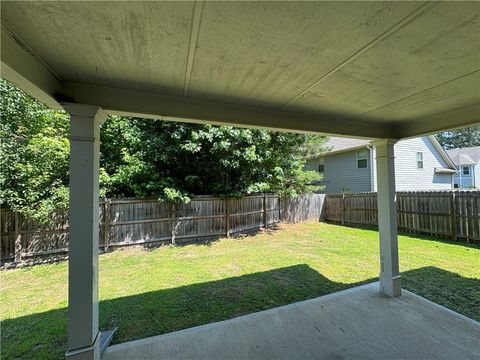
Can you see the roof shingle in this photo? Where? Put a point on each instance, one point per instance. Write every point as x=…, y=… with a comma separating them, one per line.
x=465, y=156
x=338, y=144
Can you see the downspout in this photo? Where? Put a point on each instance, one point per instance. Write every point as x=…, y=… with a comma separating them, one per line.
x=472, y=171
x=372, y=173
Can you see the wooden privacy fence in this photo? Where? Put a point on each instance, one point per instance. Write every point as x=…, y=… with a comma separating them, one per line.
x=148, y=221
x=452, y=214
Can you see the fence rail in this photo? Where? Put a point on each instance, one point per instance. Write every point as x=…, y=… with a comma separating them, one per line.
x=452, y=214
x=148, y=221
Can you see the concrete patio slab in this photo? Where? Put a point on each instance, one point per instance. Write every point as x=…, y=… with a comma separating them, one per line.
x=358, y=323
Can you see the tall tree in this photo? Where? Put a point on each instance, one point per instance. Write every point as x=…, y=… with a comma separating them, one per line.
x=460, y=138
x=141, y=157
x=34, y=155
x=173, y=160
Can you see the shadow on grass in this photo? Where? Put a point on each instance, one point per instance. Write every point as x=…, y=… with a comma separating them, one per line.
x=43, y=335
x=206, y=240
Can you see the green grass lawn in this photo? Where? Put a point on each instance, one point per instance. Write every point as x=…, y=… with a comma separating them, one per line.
x=146, y=293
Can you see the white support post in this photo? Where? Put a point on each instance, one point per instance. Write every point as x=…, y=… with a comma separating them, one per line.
x=387, y=218
x=83, y=333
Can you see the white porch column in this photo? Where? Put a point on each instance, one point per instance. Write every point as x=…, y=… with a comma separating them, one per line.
x=387, y=218
x=83, y=333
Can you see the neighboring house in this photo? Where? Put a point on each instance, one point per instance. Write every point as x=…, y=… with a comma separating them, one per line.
x=349, y=165
x=467, y=161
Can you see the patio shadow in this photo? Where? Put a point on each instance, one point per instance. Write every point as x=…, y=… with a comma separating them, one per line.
x=43, y=335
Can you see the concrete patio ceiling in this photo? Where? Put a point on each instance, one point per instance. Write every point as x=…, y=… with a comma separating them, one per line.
x=364, y=69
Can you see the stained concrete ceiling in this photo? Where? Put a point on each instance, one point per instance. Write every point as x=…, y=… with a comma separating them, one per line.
x=366, y=69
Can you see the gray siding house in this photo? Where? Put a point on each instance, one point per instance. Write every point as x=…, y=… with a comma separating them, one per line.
x=467, y=161
x=349, y=165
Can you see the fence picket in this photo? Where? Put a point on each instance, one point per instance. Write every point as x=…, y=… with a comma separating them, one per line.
x=147, y=221
x=454, y=214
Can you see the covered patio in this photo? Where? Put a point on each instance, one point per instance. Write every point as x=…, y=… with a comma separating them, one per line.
x=357, y=323
x=377, y=70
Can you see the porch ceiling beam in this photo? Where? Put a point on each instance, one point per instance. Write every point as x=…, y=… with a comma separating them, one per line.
x=175, y=108
x=22, y=67
x=457, y=118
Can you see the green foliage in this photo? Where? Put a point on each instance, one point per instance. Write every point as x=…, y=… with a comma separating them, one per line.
x=174, y=160
x=460, y=138
x=34, y=155
x=143, y=158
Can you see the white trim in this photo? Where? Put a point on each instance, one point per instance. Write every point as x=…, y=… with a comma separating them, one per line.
x=147, y=104
x=26, y=70
x=372, y=172
x=442, y=152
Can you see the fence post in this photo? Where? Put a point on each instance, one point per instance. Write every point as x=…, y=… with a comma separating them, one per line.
x=453, y=217
x=227, y=217
x=173, y=214
x=343, y=209
x=279, y=209
x=18, y=238
x=265, y=225
x=106, y=224
x=294, y=209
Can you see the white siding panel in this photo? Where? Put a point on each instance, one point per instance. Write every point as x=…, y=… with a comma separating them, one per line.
x=341, y=173
x=408, y=177
x=341, y=170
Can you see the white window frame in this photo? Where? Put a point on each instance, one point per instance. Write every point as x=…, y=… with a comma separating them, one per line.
x=466, y=168
x=419, y=160
x=361, y=159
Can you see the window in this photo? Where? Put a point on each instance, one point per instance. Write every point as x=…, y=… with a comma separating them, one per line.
x=321, y=165
x=362, y=161
x=466, y=170
x=419, y=160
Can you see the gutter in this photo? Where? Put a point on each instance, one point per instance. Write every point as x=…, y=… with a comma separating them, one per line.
x=439, y=170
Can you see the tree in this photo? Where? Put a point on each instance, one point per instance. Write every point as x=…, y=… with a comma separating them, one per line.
x=174, y=160
x=34, y=155
x=141, y=157
x=460, y=138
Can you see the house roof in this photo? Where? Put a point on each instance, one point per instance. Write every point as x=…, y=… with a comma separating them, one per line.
x=335, y=144
x=465, y=156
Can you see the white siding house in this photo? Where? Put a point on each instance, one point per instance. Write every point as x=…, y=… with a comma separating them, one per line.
x=467, y=161
x=349, y=165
